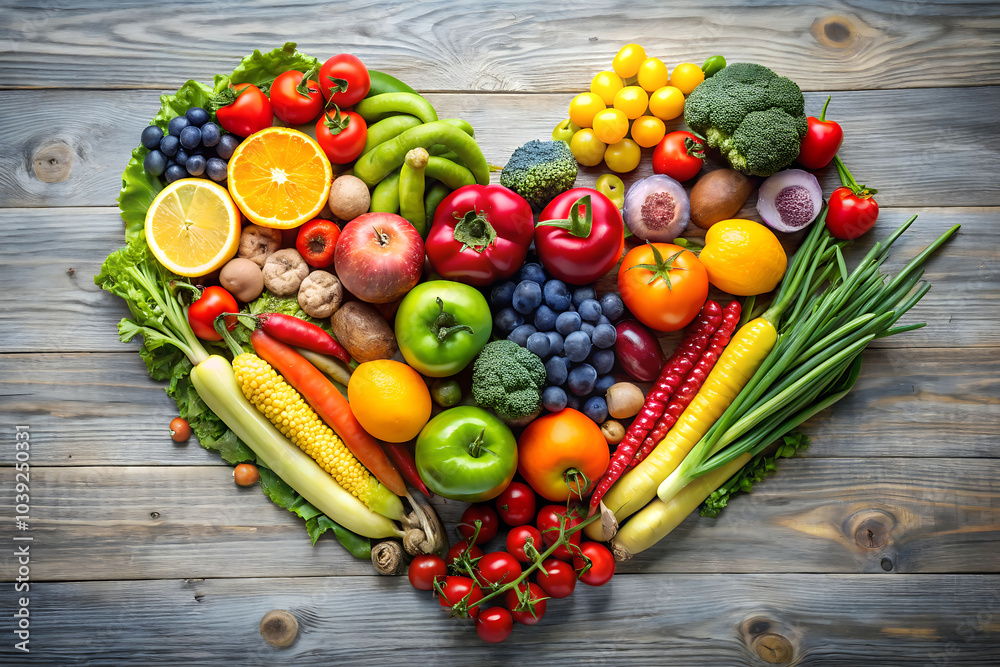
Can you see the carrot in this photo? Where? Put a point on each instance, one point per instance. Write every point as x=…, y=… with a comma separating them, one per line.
x=400, y=454
x=330, y=405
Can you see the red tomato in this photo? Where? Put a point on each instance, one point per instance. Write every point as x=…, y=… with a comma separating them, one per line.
x=213, y=302
x=602, y=564
x=460, y=548
x=680, y=155
x=295, y=99
x=523, y=612
x=669, y=296
x=249, y=112
x=424, y=569
x=342, y=136
x=489, y=523
x=556, y=452
x=457, y=589
x=497, y=567
x=549, y=518
x=574, y=250
x=516, y=504
x=560, y=580
x=344, y=79
x=317, y=241
x=494, y=625
x=849, y=216
x=519, y=537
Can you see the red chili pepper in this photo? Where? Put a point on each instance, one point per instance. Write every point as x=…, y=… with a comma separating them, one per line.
x=852, y=208
x=290, y=329
x=401, y=455
x=822, y=141
x=480, y=234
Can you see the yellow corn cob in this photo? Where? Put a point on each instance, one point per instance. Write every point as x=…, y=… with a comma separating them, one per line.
x=288, y=411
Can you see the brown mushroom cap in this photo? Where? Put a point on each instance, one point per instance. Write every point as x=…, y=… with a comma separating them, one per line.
x=258, y=243
x=320, y=294
x=284, y=272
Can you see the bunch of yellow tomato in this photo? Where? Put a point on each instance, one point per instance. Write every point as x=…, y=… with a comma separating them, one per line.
x=626, y=108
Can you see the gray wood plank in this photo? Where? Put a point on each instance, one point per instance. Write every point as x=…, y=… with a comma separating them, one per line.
x=506, y=45
x=930, y=147
x=648, y=620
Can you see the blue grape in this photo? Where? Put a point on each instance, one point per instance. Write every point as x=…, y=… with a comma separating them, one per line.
x=196, y=116
x=545, y=318
x=151, y=137
x=216, y=169
x=181, y=157
x=577, y=346
x=568, y=322
x=555, y=342
x=581, y=379
x=604, y=383
x=507, y=320
x=196, y=164
x=557, y=295
x=554, y=399
x=176, y=125
x=596, y=408
x=589, y=310
x=155, y=163
x=572, y=402
x=612, y=306
x=533, y=272
x=587, y=328
x=603, y=360
x=190, y=137
x=527, y=296
x=227, y=146
x=169, y=145
x=538, y=343
x=604, y=336
x=556, y=370
x=210, y=134
x=581, y=294
x=520, y=334
x=175, y=172
x=501, y=295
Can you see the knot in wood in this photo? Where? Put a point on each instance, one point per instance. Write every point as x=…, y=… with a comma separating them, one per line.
x=773, y=648
x=53, y=162
x=837, y=32
x=870, y=528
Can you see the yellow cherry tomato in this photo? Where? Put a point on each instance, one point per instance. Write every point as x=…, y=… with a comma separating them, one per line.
x=666, y=103
x=648, y=130
x=652, y=74
x=686, y=77
x=583, y=107
x=632, y=101
x=628, y=59
x=622, y=156
x=587, y=148
x=605, y=85
x=610, y=126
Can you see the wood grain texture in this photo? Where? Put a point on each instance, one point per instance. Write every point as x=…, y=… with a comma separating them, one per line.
x=506, y=45
x=683, y=619
x=928, y=147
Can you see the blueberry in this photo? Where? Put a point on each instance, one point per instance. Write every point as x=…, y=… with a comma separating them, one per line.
x=190, y=137
x=556, y=370
x=545, y=318
x=612, y=306
x=501, y=295
x=210, y=134
x=603, y=319
x=602, y=360
x=554, y=399
x=604, y=383
x=226, y=146
x=520, y=334
x=604, y=336
x=181, y=157
x=581, y=379
x=527, y=296
x=572, y=402
x=538, y=343
x=555, y=342
x=581, y=294
x=567, y=323
x=175, y=172
x=196, y=164
x=533, y=272
x=557, y=295
x=196, y=116
x=216, y=169
x=155, y=163
x=596, y=408
x=151, y=137
x=587, y=328
x=577, y=346
x=589, y=310
x=169, y=145
x=176, y=125
x=507, y=320
x=170, y=163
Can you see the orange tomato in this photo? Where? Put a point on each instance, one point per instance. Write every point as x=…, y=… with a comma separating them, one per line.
x=559, y=448
x=663, y=285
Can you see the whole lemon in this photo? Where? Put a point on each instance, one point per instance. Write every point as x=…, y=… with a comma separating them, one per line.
x=743, y=257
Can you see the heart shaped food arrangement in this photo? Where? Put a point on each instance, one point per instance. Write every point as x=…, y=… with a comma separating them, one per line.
x=347, y=311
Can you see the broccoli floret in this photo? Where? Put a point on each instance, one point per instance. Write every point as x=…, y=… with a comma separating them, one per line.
x=753, y=116
x=539, y=171
x=509, y=379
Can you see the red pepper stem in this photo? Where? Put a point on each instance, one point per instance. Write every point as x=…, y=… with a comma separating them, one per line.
x=822, y=114
x=578, y=224
x=473, y=230
x=220, y=326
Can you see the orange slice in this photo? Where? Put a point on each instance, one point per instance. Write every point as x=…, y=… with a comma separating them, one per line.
x=193, y=227
x=279, y=177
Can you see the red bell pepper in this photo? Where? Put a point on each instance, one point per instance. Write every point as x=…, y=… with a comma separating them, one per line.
x=822, y=141
x=852, y=208
x=480, y=234
x=580, y=236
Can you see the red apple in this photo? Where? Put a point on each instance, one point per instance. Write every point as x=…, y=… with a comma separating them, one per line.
x=379, y=257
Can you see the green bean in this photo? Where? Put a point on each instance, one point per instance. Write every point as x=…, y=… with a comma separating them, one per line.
x=374, y=109
x=463, y=125
x=453, y=175
x=384, y=83
x=435, y=195
x=387, y=129
x=377, y=163
x=411, y=189
x=385, y=197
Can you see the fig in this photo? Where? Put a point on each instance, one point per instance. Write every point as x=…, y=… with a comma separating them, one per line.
x=789, y=200
x=657, y=208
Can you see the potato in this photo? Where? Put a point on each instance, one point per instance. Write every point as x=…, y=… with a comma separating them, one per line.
x=363, y=332
x=719, y=195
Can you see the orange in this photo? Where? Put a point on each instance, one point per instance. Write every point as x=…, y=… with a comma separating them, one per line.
x=743, y=257
x=389, y=399
x=279, y=177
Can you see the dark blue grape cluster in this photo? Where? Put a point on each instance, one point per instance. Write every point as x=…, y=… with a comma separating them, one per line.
x=569, y=328
x=192, y=146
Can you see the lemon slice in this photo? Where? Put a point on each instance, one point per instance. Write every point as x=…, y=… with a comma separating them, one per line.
x=193, y=227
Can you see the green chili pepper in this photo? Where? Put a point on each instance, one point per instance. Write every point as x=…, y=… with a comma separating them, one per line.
x=374, y=109
x=713, y=65
x=411, y=189
x=385, y=196
x=450, y=173
x=377, y=163
x=384, y=83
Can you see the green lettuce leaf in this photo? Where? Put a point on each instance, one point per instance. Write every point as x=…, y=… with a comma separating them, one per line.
x=261, y=68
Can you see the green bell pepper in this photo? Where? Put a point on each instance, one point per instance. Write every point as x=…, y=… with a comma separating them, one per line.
x=466, y=453
x=441, y=326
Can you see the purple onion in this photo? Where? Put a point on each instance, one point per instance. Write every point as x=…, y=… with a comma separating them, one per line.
x=790, y=200
x=657, y=208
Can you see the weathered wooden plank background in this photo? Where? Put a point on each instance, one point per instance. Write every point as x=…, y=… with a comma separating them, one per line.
x=878, y=546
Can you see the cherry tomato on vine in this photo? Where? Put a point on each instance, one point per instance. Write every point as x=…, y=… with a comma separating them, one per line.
x=296, y=99
x=518, y=538
x=488, y=518
x=460, y=548
x=247, y=110
x=663, y=285
x=424, y=569
x=344, y=80
x=516, y=504
x=494, y=625
x=525, y=614
x=560, y=580
x=497, y=567
x=602, y=564
x=456, y=588
x=341, y=136
x=680, y=155
x=213, y=302
x=548, y=521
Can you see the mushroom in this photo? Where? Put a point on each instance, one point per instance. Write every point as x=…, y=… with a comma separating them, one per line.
x=624, y=400
x=349, y=197
x=279, y=628
x=320, y=294
x=242, y=278
x=284, y=271
x=258, y=243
